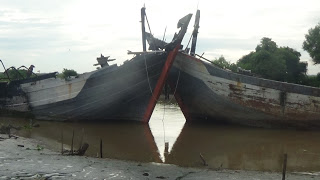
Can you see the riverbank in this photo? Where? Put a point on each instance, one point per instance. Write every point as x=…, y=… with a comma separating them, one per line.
x=23, y=158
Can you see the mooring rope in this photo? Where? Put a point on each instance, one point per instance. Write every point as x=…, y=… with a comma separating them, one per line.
x=164, y=104
x=146, y=67
x=175, y=89
x=164, y=109
x=164, y=130
x=148, y=80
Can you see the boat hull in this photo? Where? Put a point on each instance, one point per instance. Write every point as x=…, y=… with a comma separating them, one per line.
x=208, y=93
x=110, y=93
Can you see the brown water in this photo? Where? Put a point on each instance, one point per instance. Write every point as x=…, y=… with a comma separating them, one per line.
x=221, y=146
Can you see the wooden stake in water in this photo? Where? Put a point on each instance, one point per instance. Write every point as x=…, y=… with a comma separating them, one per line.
x=62, y=142
x=166, y=147
x=72, y=142
x=203, y=160
x=81, y=140
x=284, y=167
x=100, y=148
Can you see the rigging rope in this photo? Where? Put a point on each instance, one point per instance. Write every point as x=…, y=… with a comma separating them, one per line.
x=148, y=23
x=188, y=42
x=155, y=42
x=164, y=130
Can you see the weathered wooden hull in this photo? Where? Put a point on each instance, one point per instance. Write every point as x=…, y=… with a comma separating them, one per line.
x=206, y=92
x=110, y=93
x=127, y=92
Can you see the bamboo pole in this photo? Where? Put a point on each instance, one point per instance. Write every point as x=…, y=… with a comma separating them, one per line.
x=72, y=142
x=62, y=142
x=100, y=148
x=284, y=167
x=203, y=160
x=81, y=140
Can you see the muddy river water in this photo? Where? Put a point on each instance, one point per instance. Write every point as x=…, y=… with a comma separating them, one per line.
x=168, y=139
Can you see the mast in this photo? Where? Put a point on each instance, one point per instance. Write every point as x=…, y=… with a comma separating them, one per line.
x=195, y=33
x=143, y=14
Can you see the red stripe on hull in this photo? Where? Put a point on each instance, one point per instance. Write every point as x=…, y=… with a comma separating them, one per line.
x=183, y=108
x=191, y=57
x=157, y=90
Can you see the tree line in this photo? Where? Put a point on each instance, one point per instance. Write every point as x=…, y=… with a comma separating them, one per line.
x=280, y=63
x=22, y=74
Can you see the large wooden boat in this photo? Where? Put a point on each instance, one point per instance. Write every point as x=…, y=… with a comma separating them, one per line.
x=126, y=92
x=209, y=93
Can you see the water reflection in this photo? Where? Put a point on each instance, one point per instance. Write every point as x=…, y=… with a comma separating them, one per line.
x=166, y=124
x=246, y=148
x=128, y=141
x=221, y=146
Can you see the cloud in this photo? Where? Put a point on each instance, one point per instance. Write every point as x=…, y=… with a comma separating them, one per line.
x=60, y=34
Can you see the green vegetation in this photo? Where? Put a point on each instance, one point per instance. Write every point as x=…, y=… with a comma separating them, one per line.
x=312, y=80
x=223, y=63
x=312, y=43
x=67, y=73
x=13, y=74
x=21, y=74
x=272, y=62
x=3, y=77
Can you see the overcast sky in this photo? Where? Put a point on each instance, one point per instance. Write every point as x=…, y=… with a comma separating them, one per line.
x=57, y=34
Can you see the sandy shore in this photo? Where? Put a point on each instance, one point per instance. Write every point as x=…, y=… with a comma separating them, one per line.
x=24, y=158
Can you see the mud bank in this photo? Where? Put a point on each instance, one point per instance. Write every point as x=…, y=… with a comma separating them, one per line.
x=24, y=158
